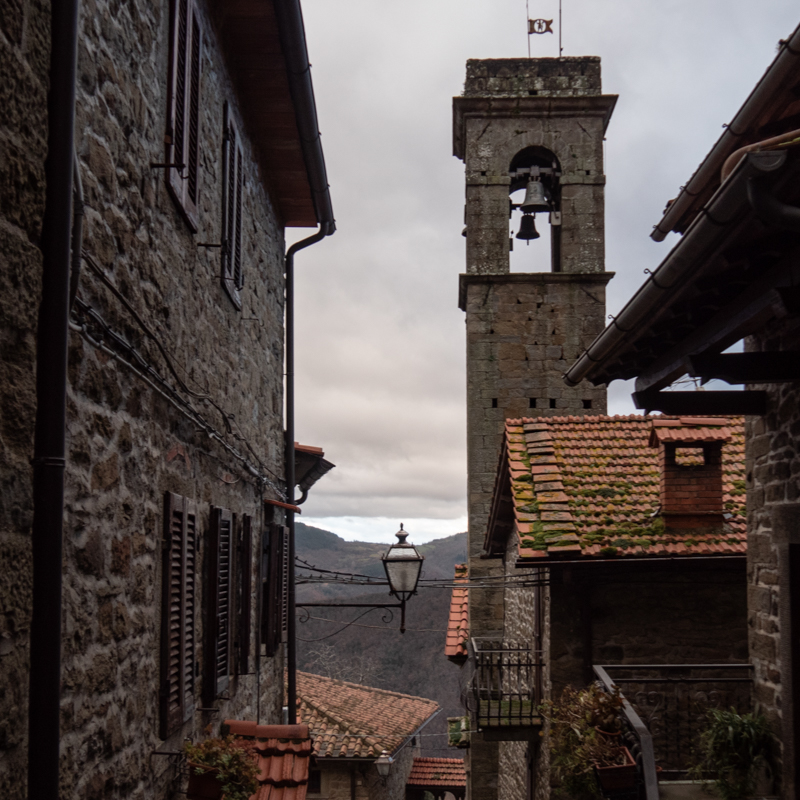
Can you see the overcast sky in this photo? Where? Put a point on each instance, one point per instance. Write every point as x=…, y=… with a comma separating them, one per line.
x=380, y=339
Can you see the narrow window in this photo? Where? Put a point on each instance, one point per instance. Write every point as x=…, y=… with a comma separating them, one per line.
x=232, y=187
x=552, y=402
x=494, y=402
x=275, y=586
x=218, y=604
x=531, y=402
x=183, y=108
x=244, y=594
x=177, y=614
x=587, y=403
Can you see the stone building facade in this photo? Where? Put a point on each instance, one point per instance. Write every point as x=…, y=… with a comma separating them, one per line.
x=520, y=120
x=175, y=386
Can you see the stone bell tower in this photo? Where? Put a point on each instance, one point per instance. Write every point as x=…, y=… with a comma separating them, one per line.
x=520, y=122
x=523, y=120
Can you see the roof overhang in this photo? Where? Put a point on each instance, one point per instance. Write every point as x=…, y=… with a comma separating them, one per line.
x=735, y=269
x=265, y=46
x=773, y=107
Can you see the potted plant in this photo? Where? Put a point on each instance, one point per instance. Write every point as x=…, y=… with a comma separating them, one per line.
x=580, y=755
x=737, y=749
x=220, y=768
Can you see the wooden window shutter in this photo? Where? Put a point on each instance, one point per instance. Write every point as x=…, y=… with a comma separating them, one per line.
x=232, y=188
x=245, y=590
x=183, y=108
x=218, y=603
x=176, y=696
x=275, y=587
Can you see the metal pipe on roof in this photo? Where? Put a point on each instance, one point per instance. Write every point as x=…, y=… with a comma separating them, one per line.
x=783, y=66
x=49, y=449
x=708, y=228
x=765, y=144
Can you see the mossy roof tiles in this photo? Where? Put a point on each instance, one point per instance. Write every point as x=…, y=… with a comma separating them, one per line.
x=591, y=487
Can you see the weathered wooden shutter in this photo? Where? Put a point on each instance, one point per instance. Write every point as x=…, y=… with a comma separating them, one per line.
x=233, y=186
x=275, y=589
x=177, y=618
x=218, y=603
x=245, y=589
x=183, y=112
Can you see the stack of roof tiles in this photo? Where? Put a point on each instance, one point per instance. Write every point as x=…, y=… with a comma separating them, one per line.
x=589, y=486
x=444, y=772
x=348, y=720
x=282, y=753
x=458, y=623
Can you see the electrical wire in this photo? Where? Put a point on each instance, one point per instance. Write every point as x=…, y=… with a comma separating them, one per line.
x=156, y=382
x=374, y=627
x=344, y=626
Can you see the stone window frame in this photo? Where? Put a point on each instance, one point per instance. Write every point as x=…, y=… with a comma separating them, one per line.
x=179, y=558
x=182, y=138
x=219, y=611
x=325, y=785
x=232, y=202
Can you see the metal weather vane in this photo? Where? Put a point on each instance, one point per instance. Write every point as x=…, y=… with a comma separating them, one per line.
x=539, y=26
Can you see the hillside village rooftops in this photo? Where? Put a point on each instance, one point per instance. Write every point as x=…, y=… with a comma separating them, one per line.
x=458, y=622
x=589, y=487
x=348, y=720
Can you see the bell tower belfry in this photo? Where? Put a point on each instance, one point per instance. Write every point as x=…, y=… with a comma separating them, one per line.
x=522, y=122
x=535, y=125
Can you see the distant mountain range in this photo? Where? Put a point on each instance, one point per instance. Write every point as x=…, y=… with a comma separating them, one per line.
x=369, y=651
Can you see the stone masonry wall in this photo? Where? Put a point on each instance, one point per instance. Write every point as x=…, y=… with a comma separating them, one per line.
x=127, y=444
x=773, y=485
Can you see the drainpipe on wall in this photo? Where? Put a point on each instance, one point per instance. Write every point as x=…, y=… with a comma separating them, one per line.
x=44, y=693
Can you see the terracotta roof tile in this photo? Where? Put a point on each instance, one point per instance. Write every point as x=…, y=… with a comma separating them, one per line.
x=437, y=772
x=592, y=486
x=348, y=720
x=282, y=754
x=455, y=646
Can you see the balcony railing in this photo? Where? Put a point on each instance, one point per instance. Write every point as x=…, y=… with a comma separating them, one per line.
x=506, y=687
x=666, y=706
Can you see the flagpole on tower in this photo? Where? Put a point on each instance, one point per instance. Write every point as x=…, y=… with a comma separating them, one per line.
x=560, y=48
x=527, y=25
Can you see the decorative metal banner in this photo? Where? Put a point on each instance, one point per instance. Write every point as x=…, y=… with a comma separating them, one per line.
x=540, y=26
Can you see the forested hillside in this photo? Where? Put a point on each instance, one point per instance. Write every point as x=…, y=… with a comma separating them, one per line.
x=370, y=651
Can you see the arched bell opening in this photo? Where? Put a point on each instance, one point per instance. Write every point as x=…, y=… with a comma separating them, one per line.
x=535, y=211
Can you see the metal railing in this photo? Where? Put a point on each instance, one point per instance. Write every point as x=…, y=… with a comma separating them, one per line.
x=506, y=687
x=666, y=706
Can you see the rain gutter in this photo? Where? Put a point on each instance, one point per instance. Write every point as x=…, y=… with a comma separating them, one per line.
x=774, y=80
x=293, y=42
x=49, y=449
x=680, y=267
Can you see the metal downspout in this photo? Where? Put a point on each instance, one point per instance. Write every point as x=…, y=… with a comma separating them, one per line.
x=44, y=693
x=326, y=229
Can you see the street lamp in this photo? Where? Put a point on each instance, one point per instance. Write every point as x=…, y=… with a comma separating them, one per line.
x=403, y=565
x=383, y=764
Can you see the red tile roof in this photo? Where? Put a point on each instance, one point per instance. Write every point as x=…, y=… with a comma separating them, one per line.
x=348, y=720
x=437, y=772
x=282, y=753
x=455, y=647
x=589, y=486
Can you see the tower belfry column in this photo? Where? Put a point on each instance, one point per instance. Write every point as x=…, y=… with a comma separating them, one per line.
x=534, y=124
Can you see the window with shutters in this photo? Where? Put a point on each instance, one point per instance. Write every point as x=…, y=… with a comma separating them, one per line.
x=178, y=612
x=218, y=638
x=232, y=188
x=275, y=587
x=244, y=594
x=183, y=108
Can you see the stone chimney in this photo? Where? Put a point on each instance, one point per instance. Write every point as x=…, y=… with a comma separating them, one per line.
x=690, y=461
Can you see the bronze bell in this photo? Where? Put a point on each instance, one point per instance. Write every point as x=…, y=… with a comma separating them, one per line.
x=527, y=228
x=535, y=198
